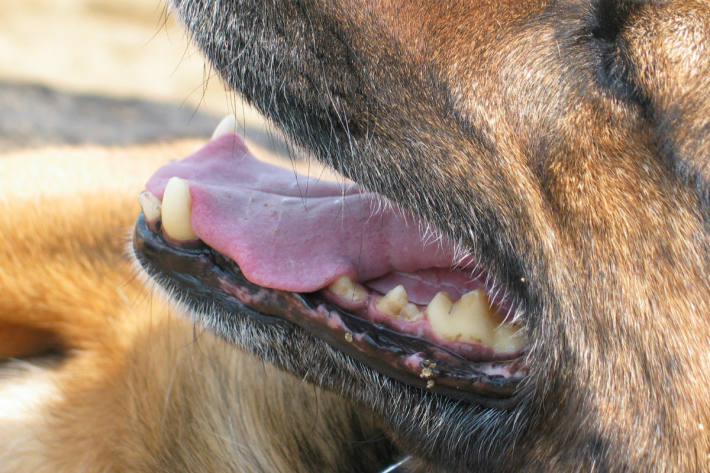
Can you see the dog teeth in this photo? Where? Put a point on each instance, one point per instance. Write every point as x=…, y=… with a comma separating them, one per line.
x=349, y=290
x=393, y=302
x=225, y=127
x=509, y=338
x=411, y=313
x=472, y=320
x=467, y=320
x=440, y=317
x=150, y=206
x=176, y=206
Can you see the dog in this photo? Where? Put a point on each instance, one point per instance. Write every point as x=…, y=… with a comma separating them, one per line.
x=557, y=151
x=552, y=152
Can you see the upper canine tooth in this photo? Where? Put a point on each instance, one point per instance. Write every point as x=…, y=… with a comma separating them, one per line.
x=150, y=206
x=177, y=203
x=467, y=320
x=225, y=127
x=393, y=302
x=348, y=289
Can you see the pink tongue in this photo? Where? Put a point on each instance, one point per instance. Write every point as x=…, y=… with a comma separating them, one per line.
x=292, y=232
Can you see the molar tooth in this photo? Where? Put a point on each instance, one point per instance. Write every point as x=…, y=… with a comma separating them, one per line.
x=177, y=203
x=348, y=289
x=468, y=320
x=411, y=313
x=439, y=312
x=150, y=206
x=225, y=127
x=393, y=302
x=509, y=338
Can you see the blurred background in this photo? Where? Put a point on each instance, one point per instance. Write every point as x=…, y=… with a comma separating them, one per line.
x=113, y=72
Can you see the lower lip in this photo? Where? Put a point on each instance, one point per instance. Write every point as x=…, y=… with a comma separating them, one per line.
x=203, y=273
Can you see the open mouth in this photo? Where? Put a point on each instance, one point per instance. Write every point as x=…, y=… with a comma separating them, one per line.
x=346, y=265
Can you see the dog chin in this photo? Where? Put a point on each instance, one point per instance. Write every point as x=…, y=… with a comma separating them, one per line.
x=438, y=428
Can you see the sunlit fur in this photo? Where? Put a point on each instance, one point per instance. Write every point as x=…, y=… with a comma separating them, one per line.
x=565, y=144
x=130, y=385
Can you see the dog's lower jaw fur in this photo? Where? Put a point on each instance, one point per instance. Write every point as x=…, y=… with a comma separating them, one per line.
x=566, y=145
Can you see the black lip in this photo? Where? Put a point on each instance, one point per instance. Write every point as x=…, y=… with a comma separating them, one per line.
x=207, y=278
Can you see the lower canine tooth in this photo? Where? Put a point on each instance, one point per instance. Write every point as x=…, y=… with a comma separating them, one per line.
x=348, y=289
x=393, y=302
x=150, y=206
x=468, y=320
x=176, y=206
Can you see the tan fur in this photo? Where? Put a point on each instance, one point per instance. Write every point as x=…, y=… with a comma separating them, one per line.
x=136, y=388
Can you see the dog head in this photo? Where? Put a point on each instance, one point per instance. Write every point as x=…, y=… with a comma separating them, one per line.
x=563, y=146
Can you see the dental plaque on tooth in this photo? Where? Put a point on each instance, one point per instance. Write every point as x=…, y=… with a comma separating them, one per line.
x=349, y=291
x=393, y=302
x=471, y=320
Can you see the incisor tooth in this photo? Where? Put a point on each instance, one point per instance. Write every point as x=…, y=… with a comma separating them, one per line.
x=468, y=320
x=393, y=302
x=225, y=127
x=150, y=206
x=176, y=210
x=348, y=289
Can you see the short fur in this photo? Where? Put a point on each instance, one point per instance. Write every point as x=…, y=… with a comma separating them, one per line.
x=129, y=386
x=566, y=144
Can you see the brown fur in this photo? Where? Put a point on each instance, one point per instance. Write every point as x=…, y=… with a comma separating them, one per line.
x=132, y=387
